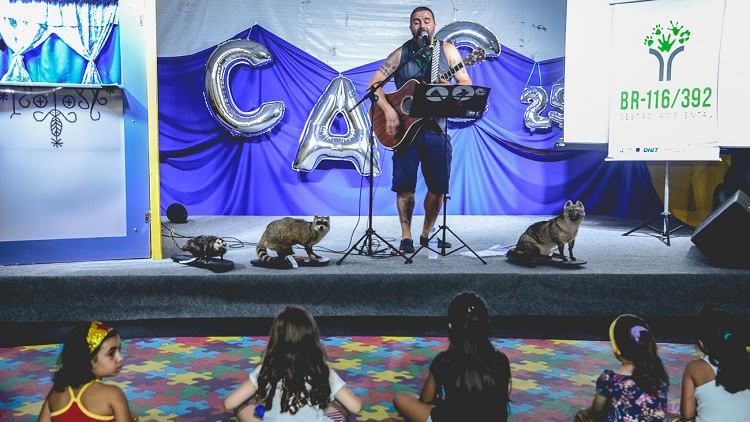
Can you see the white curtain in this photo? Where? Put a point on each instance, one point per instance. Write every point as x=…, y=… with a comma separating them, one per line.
x=84, y=26
x=20, y=36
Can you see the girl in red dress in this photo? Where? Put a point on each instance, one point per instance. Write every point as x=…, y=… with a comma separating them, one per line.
x=90, y=353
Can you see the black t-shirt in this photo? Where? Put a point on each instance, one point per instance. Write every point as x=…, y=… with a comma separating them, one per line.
x=475, y=391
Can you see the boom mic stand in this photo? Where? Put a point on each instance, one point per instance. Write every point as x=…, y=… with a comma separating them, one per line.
x=366, y=239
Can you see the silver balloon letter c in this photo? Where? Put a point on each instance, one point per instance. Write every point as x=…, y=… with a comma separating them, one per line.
x=470, y=34
x=219, y=99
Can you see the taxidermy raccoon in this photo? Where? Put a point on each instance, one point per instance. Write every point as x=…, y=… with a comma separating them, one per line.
x=203, y=247
x=281, y=235
x=539, y=239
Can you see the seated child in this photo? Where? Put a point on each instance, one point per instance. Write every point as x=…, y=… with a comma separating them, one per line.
x=470, y=381
x=294, y=382
x=90, y=353
x=717, y=387
x=637, y=390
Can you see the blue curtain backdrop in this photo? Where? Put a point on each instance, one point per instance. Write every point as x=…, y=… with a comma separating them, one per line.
x=499, y=167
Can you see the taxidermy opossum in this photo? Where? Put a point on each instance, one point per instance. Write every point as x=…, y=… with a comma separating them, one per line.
x=203, y=247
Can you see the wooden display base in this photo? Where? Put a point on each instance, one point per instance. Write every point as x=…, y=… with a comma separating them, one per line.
x=551, y=261
x=288, y=264
x=216, y=265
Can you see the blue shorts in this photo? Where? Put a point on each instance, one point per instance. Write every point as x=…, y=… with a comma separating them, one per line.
x=434, y=151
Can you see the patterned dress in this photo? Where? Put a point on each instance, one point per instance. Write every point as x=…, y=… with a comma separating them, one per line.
x=628, y=403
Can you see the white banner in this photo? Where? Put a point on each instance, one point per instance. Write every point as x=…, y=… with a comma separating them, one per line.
x=664, y=72
x=62, y=164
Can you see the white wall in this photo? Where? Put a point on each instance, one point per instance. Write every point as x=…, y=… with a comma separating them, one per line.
x=349, y=33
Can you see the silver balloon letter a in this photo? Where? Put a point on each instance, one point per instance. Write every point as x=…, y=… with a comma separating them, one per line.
x=317, y=143
x=219, y=99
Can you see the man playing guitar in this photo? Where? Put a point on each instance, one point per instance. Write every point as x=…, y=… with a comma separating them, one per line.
x=430, y=146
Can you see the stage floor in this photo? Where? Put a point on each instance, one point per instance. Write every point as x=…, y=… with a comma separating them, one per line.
x=638, y=273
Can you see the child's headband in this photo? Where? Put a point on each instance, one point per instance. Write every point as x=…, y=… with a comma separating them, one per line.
x=97, y=332
x=635, y=332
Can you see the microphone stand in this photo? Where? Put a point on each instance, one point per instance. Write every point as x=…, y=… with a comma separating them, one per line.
x=366, y=238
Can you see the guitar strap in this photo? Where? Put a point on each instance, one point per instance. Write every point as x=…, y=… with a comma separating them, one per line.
x=435, y=72
x=435, y=124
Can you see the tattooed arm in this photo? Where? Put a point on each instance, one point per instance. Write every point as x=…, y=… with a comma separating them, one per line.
x=454, y=58
x=389, y=65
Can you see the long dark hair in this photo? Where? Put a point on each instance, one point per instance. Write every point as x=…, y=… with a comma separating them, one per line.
x=75, y=359
x=470, y=351
x=294, y=357
x=632, y=339
x=725, y=349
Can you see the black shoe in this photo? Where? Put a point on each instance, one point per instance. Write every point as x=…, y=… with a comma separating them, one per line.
x=424, y=242
x=407, y=246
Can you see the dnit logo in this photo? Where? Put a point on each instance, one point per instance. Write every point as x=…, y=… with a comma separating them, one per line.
x=648, y=149
x=664, y=40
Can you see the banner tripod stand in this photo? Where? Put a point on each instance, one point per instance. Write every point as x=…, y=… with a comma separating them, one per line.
x=665, y=217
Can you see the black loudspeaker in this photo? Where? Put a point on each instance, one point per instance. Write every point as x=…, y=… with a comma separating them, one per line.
x=724, y=236
x=176, y=213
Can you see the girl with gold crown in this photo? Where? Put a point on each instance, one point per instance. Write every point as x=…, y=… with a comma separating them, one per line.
x=90, y=353
x=637, y=390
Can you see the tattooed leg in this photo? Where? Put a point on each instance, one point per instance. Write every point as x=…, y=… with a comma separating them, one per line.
x=405, y=203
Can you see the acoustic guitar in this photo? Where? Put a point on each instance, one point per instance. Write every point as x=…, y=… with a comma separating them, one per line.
x=401, y=100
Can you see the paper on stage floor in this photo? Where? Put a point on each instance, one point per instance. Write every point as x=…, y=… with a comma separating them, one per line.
x=496, y=250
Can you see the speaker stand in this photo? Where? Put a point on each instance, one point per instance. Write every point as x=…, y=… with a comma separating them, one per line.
x=665, y=217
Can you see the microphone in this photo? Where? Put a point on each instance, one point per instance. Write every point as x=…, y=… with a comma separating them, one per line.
x=424, y=36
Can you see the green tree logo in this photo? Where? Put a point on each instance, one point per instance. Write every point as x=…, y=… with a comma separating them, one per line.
x=664, y=40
